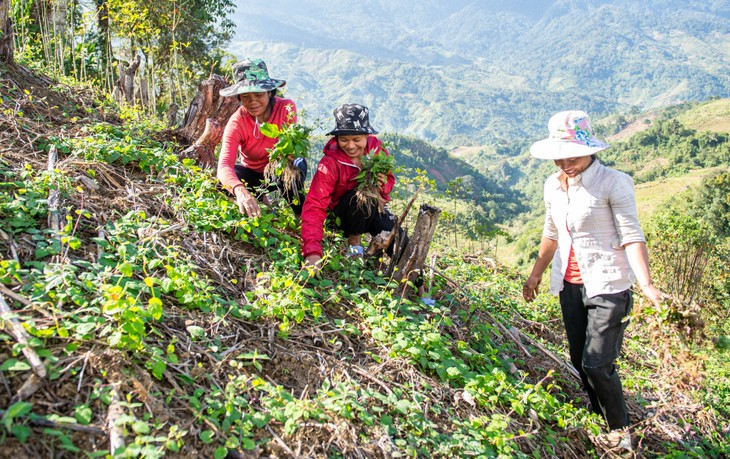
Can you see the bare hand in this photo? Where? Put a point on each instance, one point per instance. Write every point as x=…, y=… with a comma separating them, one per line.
x=314, y=262
x=382, y=179
x=247, y=203
x=654, y=294
x=530, y=289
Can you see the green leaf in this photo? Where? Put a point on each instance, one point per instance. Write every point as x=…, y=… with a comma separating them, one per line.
x=21, y=432
x=196, y=332
x=155, y=308
x=453, y=372
x=220, y=452
x=16, y=410
x=127, y=269
x=83, y=414
x=14, y=365
x=206, y=436
x=270, y=130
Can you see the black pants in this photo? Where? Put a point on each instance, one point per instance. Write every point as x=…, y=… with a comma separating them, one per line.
x=254, y=180
x=356, y=220
x=595, y=328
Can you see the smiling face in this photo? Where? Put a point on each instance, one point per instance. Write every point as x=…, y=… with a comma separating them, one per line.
x=353, y=145
x=572, y=167
x=255, y=103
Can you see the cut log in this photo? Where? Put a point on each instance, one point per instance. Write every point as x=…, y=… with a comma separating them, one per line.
x=414, y=255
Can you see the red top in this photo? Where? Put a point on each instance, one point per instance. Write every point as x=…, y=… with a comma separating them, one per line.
x=242, y=134
x=572, y=273
x=335, y=176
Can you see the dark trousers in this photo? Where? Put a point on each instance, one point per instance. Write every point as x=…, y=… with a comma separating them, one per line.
x=595, y=328
x=356, y=220
x=254, y=181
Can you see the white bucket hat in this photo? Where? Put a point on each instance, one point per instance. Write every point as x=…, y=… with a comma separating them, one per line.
x=571, y=136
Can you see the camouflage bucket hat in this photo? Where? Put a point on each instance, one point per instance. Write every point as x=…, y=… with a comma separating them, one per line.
x=351, y=119
x=570, y=136
x=251, y=75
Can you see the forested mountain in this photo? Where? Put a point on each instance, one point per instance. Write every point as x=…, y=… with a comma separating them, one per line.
x=470, y=73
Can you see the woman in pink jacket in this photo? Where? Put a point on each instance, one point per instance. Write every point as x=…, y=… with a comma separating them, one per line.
x=259, y=104
x=333, y=186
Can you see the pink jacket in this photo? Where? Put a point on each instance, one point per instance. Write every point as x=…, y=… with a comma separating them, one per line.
x=335, y=176
x=242, y=134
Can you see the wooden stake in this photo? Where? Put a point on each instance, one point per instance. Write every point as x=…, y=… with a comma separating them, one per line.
x=54, y=220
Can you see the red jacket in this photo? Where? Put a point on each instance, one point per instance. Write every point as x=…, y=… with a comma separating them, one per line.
x=335, y=176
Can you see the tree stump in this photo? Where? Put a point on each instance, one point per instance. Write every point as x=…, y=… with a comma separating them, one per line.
x=208, y=103
x=205, y=121
x=203, y=150
x=413, y=256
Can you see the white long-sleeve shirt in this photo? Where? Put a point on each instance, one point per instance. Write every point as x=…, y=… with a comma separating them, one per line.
x=597, y=215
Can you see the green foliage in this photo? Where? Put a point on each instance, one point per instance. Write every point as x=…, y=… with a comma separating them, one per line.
x=712, y=203
x=685, y=253
x=293, y=141
x=374, y=164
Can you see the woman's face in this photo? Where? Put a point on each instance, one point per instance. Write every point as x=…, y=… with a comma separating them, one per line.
x=572, y=167
x=255, y=103
x=353, y=145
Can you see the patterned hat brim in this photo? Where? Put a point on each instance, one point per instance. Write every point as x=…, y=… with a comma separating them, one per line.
x=361, y=131
x=554, y=149
x=244, y=87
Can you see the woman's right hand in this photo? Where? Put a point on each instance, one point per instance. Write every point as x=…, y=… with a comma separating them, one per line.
x=247, y=204
x=530, y=289
x=313, y=261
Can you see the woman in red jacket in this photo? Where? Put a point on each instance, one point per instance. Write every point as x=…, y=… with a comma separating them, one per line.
x=259, y=105
x=333, y=186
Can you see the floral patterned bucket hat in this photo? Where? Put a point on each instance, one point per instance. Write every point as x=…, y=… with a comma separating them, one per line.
x=570, y=136
x=251, y=75
x=352, y=119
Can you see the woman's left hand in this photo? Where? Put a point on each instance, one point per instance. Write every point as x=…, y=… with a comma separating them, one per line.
x=654, y=294
x=382, y=179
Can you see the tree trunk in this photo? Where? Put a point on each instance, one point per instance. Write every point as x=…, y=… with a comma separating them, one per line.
x=6, y=33
x=124, y=87
x=104, y=45
x=414, y=254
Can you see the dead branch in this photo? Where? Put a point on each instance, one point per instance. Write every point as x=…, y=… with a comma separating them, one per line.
x=41, y=422
x=21, y=336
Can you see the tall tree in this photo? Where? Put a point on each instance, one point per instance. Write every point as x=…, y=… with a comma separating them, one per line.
x=6, y=33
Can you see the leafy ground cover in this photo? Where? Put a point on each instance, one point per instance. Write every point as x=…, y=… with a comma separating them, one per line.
x=169, y=326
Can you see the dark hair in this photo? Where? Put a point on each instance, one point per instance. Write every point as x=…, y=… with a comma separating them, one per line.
x=273, y=93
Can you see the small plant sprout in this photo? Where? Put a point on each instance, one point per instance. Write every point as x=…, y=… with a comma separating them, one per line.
x=368, y=185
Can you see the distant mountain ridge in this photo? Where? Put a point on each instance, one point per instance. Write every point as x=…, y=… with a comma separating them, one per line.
x=476, y=72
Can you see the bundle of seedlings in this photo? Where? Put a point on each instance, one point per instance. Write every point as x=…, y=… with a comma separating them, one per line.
x=293, y=143
x=367, y=193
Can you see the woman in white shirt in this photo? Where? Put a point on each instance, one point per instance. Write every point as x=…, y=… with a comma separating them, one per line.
x=593, y=238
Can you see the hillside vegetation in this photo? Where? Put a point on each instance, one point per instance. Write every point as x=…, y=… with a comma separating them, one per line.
x=151, y=320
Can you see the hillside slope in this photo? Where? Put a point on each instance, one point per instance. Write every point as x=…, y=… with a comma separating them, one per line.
x=470, y=73
x=159, y=323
